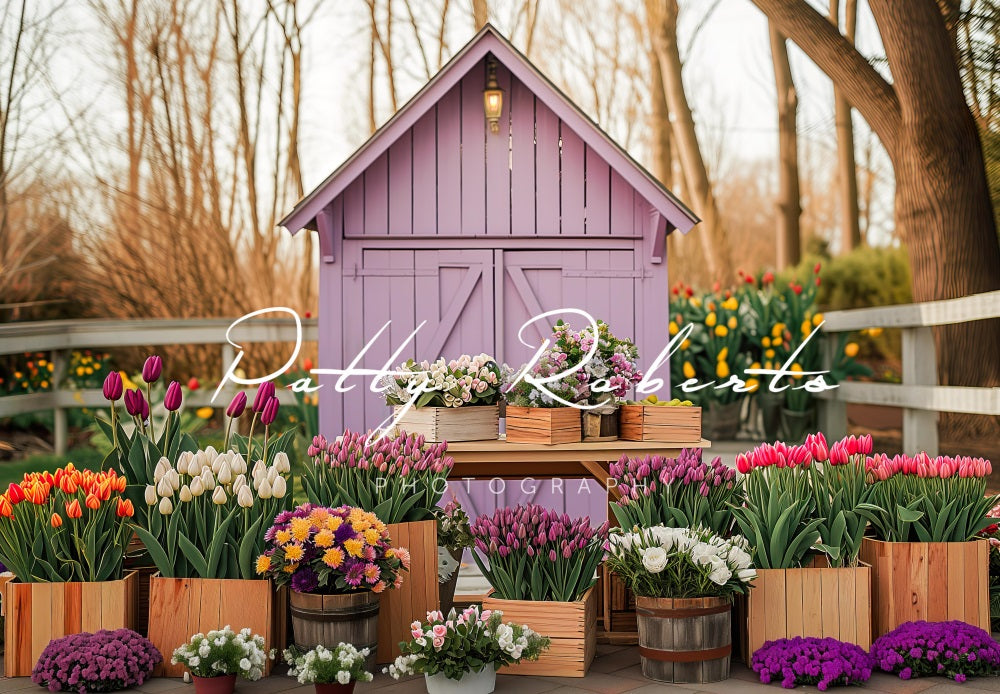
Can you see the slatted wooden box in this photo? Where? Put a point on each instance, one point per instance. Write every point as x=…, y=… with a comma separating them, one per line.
x=181, y=607
x=934, y=581
x=810, y=601
x=548, y=425
x=652, y=423
x=36, y=613
x=471, y=423
x=572, y=626
x=419, y=592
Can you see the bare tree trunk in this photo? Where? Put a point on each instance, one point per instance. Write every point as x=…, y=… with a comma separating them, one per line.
x=480, y=13
x=789, y=250
x=715, y=244
x=847, y=170
x=6, y=123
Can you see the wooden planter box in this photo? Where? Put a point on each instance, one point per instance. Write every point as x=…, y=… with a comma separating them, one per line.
x=36, y=613
x=572, y=626
x=652, y=423
x=182, y=607
x=419, y=593
x=934, y=581
x=812, y=601
x=617, y=610
x=472, y=423
x=547, y=425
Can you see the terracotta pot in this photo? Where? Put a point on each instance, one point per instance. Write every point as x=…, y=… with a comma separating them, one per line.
x=222, y=684
x=335, y=688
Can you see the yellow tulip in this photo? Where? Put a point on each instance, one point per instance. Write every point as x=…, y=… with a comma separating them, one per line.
x=777, y=329
x=776, y=342
x=817, y=319
x=806, y=327
x=696, y=302
x=769, y=366
x=797, y=368
x=688, y=370
x=721, y=330
x=731, y=304
x=710, y=319
x=752, y=384
x=204, y=412
x=686, y=344
x=769, y=353
x=722, y=370
x=874, y=332
x=673, y=328
x=755, y=365
x=732, y=322
x=765, y=341
x=851, y=349
x=723, y=353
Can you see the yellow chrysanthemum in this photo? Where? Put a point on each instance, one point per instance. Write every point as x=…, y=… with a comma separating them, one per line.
x=673, y=328
x=372, y=536
x=354, y=547
x=290, y=568
x=688, y=370
x=263, y=563
x=722, y=370
x=283, y=537
x=355, y=515
x=294, y=552
x=301, y=528
x=333, y=557
x=721, y=330
x=379, y=526
x=390, y=553
x=318, y=516
x=361, y=525
x=710, y=320
x=324, y=538
x=334, y=522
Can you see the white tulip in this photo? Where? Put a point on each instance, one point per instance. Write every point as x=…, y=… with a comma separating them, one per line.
x=272, y=474
x=173, y=478
x=164, y=488
x=185, y=494
x=150, y=495
x=278, y=489
x=218, y=461
x=210, y=453
x=197, y=487
x=225, y=474
x=259, y=468
x=239, y=465
x=219, y=496
x=264, y=490
x=244, y=497
x=281, y=463
x=208, y=479
x=239, y=483
x=162, y=465
x=182, y=462
x=166, y=506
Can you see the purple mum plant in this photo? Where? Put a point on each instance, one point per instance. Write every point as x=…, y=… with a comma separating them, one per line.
x=952, y=649
x=810, y=660
x=104, y=661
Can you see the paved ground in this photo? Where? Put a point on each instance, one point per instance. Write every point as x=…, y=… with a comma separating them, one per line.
x=615, y=671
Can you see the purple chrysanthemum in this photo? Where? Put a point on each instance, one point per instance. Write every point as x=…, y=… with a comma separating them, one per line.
x=953, y=649
x=809, y=660
x=100, y=662
x=343, y=533
x=305, y=580
x=355, y=574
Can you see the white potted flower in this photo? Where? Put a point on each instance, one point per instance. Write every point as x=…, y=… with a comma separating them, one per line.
x=333, y=671
x=216, y=658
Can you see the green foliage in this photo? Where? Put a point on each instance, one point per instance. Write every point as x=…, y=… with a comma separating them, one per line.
x=930, y=509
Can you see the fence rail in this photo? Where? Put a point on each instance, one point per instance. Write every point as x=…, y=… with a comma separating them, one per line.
x=61, y=337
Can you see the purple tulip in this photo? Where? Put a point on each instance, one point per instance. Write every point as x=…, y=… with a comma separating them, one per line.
x=151, y=369
x=135, y=403
x=237, y=405
x=270, y=411
x=265, y=391
x=172, y=398
x=113, y=386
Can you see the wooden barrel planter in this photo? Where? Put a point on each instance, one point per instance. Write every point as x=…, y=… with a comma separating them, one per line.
x=685, y=639
x=326, y=620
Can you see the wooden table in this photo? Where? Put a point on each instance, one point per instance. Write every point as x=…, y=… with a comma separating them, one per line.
x=485, y=460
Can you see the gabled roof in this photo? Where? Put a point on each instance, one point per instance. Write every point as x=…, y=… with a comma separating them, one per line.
x=489, y=40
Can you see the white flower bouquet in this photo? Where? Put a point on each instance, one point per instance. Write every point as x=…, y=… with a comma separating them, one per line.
x=460, y=382
x=224, y=652
x=341, y=665
x=661, y=562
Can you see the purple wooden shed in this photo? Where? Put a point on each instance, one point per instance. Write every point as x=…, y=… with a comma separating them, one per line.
x=437, y=218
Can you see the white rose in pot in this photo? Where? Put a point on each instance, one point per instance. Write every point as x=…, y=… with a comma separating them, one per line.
x=654, y=559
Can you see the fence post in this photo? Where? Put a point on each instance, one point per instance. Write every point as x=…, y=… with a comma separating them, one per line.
x=920, y=431
x=60, y=429
x=832, y=411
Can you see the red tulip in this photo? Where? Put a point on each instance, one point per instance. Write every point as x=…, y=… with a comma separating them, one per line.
x=14, y=493
x=193, y=383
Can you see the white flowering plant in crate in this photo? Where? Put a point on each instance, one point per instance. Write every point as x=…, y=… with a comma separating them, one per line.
x=224, y=652
x=468, y=380
x=341, y=664
x=661, y=562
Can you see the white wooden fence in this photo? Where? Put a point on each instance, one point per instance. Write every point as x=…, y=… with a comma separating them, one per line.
x=62, y=337
x=919, y=395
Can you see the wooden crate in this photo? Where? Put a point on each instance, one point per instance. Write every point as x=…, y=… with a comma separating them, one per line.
x=934, y=581
x=36, y=613
x=182, y=607
x=419, y=593
x=617, y=610
x=472, y=423
x=548, y=425
x=811, y=601
x=572, y=626
x=660, y=423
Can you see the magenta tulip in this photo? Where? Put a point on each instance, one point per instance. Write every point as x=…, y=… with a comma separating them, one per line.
x=172, y=398
x=265, y=391
x=113, y=386
x=237, y=405
x=270, y=411
x=152, y=369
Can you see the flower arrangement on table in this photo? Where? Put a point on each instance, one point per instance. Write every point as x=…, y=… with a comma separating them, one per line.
x=463, y=382
x=678, y=492
x=532, y=553
x=71, y=525
x=952, y=649
x=223, y=653
x=454, y=536
x=343, y=664
x=668, y=562
x=399, y=478
x=924, y=499
x=104, y=661
x=456, y=645
x=823, y=662
x=208, y=512
x=332, y=551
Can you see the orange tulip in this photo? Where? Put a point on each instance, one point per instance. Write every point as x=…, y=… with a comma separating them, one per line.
x=92, y=502
x=37, y=493
x=124, y=509
x=73, y=509
x=6, y=510
x=56, y=520
x=68, y=485
x=122, y=482
x=104, y=490
x=70, y=467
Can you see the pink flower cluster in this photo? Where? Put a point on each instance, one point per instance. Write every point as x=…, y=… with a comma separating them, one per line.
x=882, y=467
x=439, y=625
x=815, y=448
x=403, y=454
x=535, y=530
x=641, y=476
